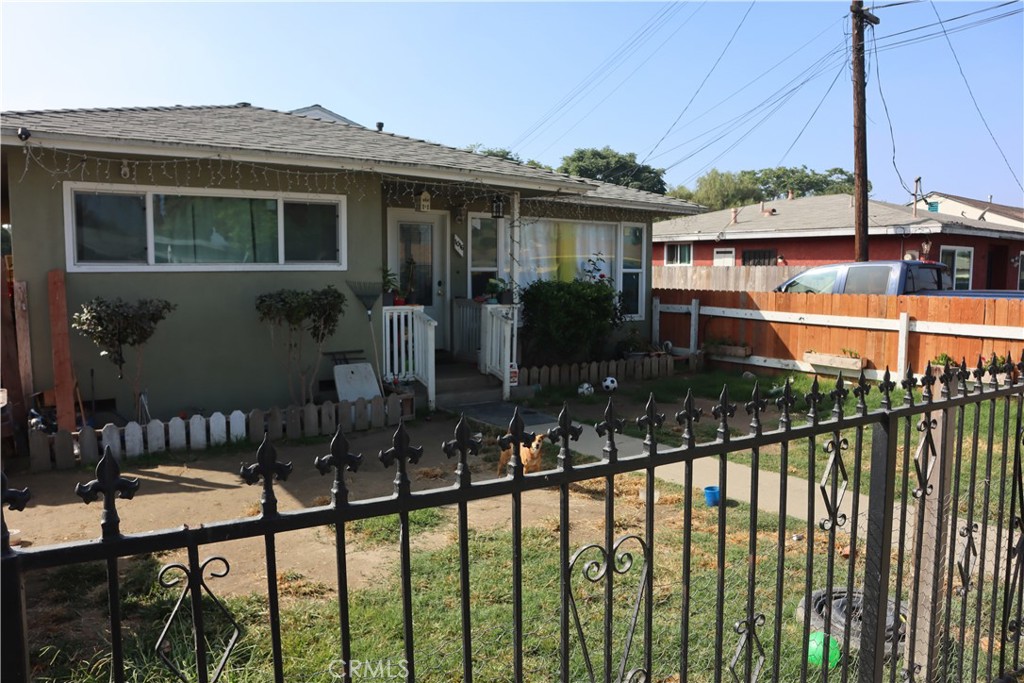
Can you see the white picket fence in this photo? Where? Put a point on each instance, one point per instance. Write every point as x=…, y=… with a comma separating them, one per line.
x=66, y=450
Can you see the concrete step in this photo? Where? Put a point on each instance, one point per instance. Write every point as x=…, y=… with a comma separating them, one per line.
x=455, y=399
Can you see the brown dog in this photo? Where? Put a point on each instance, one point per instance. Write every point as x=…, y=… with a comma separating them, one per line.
x=530, y=456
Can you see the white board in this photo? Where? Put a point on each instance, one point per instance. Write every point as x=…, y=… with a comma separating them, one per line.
x=356, y=380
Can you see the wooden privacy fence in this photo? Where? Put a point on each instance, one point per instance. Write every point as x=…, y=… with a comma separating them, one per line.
x=828, y=332
x=724, y=278
x=66, y=450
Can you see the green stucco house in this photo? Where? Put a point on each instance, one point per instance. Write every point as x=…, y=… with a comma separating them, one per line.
x=208, y=207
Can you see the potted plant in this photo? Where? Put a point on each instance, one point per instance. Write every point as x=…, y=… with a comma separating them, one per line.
x=498, y=291
x=389, y=284
x=404, y=295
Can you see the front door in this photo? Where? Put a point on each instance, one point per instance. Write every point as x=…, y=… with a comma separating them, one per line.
x=416, y=253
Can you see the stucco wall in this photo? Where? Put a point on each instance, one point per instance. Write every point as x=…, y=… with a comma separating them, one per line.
x=212, y=352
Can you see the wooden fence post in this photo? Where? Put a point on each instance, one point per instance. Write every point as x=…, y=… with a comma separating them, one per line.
x=903, y=344
x=694, y=325
x=930, y=592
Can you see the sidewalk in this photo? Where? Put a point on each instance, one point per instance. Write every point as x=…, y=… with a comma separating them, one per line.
x=705, y=470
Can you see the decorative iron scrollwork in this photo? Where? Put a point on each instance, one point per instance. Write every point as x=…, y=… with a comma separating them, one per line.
x=650, y=421
x=339, y=459
x=562, y=434
x=402, y=453
x=722, y=411
x=599, y=569
x=861, y=391
x=192, y=583
x=464, y=444
x=835, y=471
x=965, y=565
x=838, y=396
x=266, y=468
x=747, y=630
x=608, y=428
x=927, y=456
x=111, y=485
x=754, y=407
x=687, y=416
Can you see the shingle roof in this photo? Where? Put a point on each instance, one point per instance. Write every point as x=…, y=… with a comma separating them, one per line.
x=247, y=128
x=813, y=217
x=610, y=194
x=1014, y=212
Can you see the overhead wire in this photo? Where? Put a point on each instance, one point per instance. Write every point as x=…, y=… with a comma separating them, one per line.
x=811, y=117
x=700, y=87
x=600, y=72
x=977, y=107
x=885, y=107
x=623, y=81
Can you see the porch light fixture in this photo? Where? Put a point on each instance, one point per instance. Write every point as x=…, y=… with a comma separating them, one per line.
x=498, y=207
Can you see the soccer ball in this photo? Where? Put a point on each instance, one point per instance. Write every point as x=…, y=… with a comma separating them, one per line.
x=610, y=384
x=585, y=389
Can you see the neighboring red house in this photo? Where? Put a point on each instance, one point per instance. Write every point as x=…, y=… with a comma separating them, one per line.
x=817, y=230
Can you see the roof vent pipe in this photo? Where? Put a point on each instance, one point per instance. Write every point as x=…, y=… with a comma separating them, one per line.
x=380, y=126
x=735, y=216
x=990, y=199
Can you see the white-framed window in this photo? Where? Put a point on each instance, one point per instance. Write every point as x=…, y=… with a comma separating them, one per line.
x=487, y=251
x=724, y=257
x=960, y=261
x=551, y=249
x=112, y=227
x=679, y=254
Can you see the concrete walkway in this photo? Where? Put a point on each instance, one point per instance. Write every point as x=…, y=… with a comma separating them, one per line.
x=705, y=470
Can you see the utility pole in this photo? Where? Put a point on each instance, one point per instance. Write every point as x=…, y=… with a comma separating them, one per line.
x=860, y=141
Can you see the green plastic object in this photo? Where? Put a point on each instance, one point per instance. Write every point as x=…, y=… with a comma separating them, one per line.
x=816, y=650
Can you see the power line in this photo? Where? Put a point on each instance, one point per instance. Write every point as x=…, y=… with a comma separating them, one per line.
x=697, y=91
x=622, y=82
x=974, y=100
x=601, y=71
x=885, y=106
x=811, y=117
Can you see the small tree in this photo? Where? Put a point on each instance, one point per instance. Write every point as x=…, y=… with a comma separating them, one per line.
x=314, y=312
x=113, y=325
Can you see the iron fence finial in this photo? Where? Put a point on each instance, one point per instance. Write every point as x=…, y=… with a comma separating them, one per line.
x=339, y=459
x=266, y=468
x=562, y=434
x=464, y=444
x=111, y=485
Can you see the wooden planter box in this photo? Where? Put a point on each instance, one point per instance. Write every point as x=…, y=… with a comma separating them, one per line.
x=726, y=350
x=834, y=361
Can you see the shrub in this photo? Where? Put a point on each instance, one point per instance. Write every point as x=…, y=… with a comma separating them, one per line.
x=316, y=312
x=113, y=325
x=567, y=322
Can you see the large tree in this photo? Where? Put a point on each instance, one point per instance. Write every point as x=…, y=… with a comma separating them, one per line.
x=776, y=183
x=506, y=154
x=723, y=189
x=613, y=167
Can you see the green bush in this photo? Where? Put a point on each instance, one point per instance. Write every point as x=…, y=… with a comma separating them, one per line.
x=568, y=322
x=314, y=312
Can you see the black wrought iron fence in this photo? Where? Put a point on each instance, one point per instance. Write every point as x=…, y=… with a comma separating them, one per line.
x=845, y=544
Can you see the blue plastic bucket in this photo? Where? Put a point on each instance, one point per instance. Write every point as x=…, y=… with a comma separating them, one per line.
x=711, y=496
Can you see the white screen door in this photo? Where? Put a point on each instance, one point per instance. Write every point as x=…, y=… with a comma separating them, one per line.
x=416, y=253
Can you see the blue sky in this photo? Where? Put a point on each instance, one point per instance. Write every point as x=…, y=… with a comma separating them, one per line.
x=626, y=75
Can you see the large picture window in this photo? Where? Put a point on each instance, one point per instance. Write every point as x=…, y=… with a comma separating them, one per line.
x=115, y=228
x=565, y=250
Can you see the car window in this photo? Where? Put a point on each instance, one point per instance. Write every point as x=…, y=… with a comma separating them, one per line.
x=814, y=281
x=924, y=279
x=867, y=280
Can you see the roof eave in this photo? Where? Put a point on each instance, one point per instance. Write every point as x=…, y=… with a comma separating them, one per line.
x=655, y=208
x=81, y=143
